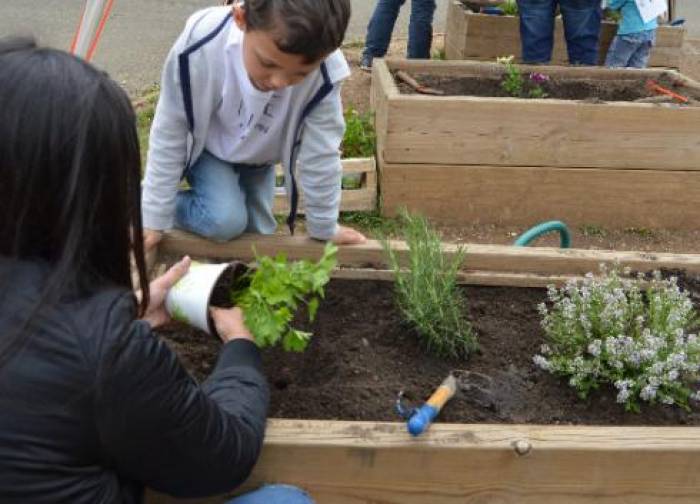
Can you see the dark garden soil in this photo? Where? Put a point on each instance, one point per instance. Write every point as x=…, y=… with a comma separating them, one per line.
x=361, y=357
x=557, y=87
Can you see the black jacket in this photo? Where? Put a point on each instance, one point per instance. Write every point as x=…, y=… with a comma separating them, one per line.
x=96, y=407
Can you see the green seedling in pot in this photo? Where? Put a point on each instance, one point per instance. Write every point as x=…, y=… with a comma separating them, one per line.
x=270, y=295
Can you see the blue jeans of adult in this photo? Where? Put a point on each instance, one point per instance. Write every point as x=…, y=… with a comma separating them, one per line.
x=381, y=25
x=274, y=494
x=582, y=20
x=225, y=199
x=631, y=50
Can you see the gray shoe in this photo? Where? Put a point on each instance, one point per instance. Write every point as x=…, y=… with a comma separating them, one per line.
x=366, y=63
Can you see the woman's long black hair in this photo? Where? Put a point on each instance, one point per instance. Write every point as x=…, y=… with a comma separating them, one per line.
x=69, y=176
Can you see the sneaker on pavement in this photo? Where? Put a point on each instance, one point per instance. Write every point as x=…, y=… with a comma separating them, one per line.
x=366, y=63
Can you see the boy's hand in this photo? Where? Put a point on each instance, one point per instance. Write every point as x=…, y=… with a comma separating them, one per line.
x=348, y=236
x=151, y=239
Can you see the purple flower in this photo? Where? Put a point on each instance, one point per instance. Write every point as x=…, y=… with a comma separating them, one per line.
x=539, y=78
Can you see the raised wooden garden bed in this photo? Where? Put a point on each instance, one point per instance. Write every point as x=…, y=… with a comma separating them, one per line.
x=352, y=462
x=484, y=37
x=467, y=159
x=362, y=171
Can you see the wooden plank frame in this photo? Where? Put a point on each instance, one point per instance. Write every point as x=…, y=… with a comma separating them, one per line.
x=482, y=37
x=341, y=462
x=511, y=161
x=364, y=198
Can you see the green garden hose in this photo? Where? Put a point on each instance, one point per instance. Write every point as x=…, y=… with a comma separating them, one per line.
x=542, y=229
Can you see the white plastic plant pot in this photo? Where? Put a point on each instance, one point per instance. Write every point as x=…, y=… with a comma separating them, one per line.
x=189, y=299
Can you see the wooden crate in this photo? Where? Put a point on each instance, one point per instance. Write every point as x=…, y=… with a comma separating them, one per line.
x=342, y=462
x=465, y=159
x=483, y=37
x=364, y=198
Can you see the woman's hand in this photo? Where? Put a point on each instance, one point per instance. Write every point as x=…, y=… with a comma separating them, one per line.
x=230, y=325
x=156, y=314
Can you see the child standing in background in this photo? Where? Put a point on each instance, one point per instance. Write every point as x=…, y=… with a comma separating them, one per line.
x=632, y=45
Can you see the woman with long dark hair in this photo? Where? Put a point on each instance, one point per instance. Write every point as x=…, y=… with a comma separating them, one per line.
x=93, y=406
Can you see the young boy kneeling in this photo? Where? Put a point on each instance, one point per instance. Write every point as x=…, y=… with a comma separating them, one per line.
x=243, y=88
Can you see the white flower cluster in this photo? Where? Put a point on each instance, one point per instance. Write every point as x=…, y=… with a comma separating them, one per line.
x=633, y=334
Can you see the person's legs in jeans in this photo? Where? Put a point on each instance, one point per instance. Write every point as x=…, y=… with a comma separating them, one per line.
x=640, y=58
x=258, y=184
x=536, y=30
x=379, y=30
x=420, y=29
x=274, y=494
x=620, y=52
x=215, y=205
x=582, y=19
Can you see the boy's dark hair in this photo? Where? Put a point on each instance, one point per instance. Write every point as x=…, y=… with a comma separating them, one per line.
x=311, y=28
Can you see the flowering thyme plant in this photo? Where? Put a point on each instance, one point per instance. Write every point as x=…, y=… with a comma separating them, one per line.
x=638, y=337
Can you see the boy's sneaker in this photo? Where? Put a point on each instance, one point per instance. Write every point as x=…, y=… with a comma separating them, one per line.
x=366, y=63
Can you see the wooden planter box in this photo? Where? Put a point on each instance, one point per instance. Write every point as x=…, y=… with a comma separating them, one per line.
x=362, y=198
x=484, y=37
x=342, y=462
x=465, y=159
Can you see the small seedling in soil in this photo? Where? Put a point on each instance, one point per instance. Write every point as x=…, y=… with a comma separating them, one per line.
x=427, y=293
x=593, y=230
x=515, y=84
x=640, y=337
x=513, y=81
x=640, y=231
x=271, y=293
x=537, y=80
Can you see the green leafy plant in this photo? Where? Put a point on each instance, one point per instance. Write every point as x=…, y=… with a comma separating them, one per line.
x=517, y=86
x=270, y=295
x=509, y=8
x=360, y=138
x=638, y=337
x=427, y=292
x=439, y=54
x=513, y=81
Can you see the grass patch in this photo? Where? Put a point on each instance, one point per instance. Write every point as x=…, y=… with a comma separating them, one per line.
x=642, y=232
x=145, y=108
x=593, y=230
x=372, y=224
x=354, y=44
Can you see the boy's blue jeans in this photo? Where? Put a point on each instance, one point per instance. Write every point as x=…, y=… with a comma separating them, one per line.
x=582, y=20
x=631, y=50
x=381, y=25
x=225, y=200
x=274, y=494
